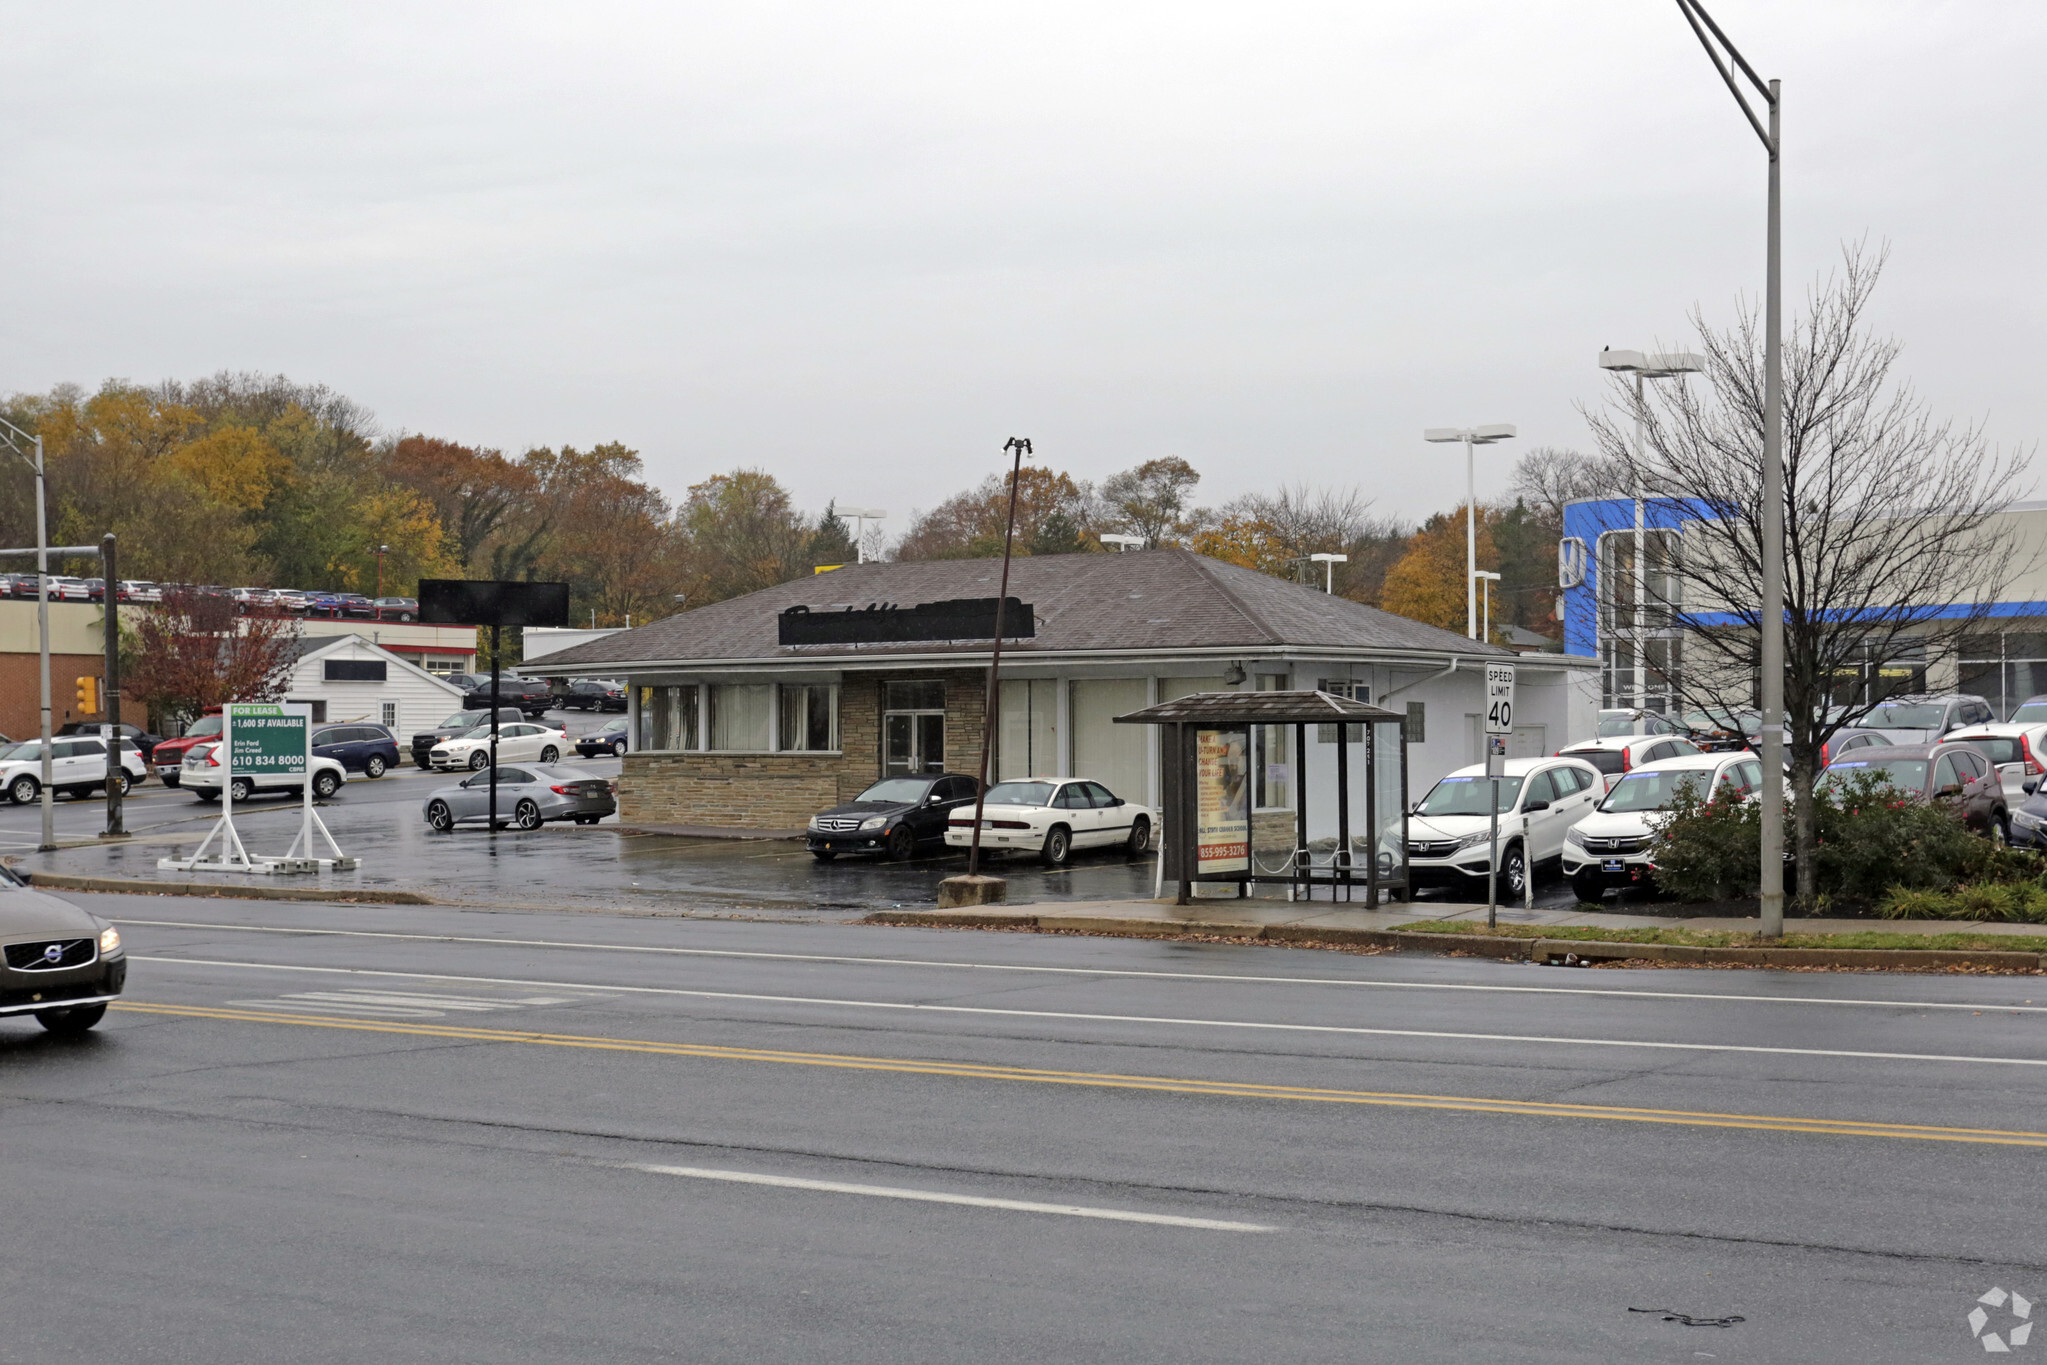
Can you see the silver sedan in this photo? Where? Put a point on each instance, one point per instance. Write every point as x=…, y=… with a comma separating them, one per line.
x=529, y=795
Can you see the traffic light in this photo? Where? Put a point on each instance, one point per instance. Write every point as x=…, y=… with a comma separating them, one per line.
x=89, y=696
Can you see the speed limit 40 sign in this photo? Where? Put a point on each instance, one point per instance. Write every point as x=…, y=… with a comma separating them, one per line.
x=1499, y=699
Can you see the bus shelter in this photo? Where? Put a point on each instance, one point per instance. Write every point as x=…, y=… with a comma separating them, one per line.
x=1346, y=784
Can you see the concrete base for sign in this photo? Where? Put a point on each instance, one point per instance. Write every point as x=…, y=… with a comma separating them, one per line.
x=956, y=892
x=255, y=866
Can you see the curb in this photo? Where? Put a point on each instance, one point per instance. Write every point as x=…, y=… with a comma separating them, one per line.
x=136, y=886
x=1480, y=945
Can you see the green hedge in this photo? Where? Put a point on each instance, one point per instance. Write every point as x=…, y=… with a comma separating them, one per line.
x=1874, y=844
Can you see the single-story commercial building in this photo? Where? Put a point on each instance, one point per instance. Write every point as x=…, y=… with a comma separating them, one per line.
x=733, y=727
x=348, y=678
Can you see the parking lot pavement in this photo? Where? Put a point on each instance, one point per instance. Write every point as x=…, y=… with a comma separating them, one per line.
x=599, y=866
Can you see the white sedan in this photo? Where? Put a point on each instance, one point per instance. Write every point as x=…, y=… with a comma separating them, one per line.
x=521, y=742
x=1053, y=816
x=201, y=776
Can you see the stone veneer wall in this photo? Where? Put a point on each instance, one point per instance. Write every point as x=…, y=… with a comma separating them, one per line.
x=782, y=791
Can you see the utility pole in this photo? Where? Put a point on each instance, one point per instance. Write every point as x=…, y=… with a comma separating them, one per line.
x=110, y=692
x=1770, y=611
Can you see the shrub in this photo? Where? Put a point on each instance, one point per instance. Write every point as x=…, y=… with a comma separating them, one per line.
x=1872, y=843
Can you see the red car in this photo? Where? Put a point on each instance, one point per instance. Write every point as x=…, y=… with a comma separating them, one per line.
x=169, y=755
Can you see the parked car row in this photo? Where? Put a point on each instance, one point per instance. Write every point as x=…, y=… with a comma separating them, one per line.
x=1049, y=817
x=256, y=601
x=1593, y=810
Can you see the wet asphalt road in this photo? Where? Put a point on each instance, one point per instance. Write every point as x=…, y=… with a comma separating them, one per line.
x=381, y=823
x=440, y=1134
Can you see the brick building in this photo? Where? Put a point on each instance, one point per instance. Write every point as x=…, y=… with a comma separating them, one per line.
x=731, y=728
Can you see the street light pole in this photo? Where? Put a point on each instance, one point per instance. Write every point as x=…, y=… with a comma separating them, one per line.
x=42, y=621
x=1770, y=611
x=1021, y=447
x=1471, y=436
x=382, y=550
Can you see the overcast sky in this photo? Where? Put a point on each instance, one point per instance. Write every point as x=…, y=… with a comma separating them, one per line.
x=860, y=245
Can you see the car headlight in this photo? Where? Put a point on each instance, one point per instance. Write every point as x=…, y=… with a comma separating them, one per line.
x=1473, y=839
x=876, y=823
x=110, y=940
x=2025, y=820
x=1574, y=838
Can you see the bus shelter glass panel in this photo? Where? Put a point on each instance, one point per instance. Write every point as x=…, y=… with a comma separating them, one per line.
x=1389, y=804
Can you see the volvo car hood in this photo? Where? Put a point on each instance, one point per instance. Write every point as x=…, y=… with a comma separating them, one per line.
x=25, y=913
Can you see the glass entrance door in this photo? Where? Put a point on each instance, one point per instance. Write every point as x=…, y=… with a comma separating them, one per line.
x=912, y=742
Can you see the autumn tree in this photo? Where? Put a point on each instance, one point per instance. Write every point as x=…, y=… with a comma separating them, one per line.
x=1154, y=500
x=193, y=654
x=741, y=534
x=1276, y=532
x=1052, y=510
x=609, y=533
x=476, y=495
x=1427, y=583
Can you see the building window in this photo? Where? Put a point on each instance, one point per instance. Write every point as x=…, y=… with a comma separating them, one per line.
x=1027, y=737
x=1273, y=754
x=913, y=728
x=809, y=719
x=440, y=664
x=1353, y=691
x=391, y=716
x=668, y=718
x=741, y=714
x=1416, y=731
x=915, y=696
x=2004, y=669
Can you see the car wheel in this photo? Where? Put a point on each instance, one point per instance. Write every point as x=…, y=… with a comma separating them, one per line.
x=170, y=779
x=824, y=855
x=618, y=749
x=526, y=816
x=478, y=761
x=1140, y=837
x=325, y=784
x=1587, y=887
x=23, y=790
x=374, y=767
x=2000, y=829
x=902, y=843
x=74, y=1021
x=550, y=755
x=425, y=765
x=439, y=816
x=207, y=796
x=1058, y=849
x=1513, y=872
x=242, y=788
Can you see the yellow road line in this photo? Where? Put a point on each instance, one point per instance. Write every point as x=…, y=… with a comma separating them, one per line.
x=1109, y=1080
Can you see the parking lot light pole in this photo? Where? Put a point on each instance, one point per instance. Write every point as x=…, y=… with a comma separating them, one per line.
x=1471, y=436
x=1328, y=563
x=1020, y=446
x=110, y=691
x=1770, y=611
x=15, y=437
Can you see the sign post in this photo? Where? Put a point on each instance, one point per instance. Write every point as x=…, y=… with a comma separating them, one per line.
x=1499, y=723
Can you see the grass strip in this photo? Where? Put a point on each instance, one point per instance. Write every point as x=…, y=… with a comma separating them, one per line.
x=1699, y=938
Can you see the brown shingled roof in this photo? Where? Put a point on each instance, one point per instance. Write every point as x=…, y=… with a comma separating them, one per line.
x=1150, y=599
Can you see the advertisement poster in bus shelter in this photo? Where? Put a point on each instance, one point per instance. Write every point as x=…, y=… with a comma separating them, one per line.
x=1222, y=802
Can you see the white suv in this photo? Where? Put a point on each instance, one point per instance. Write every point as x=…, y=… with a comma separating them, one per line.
x=1615, y=845
x=1449, y=830
x=78, y=765
x=1617, y=754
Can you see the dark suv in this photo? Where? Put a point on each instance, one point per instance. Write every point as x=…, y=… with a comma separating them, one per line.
x=461, y=723
x=1950, y=773
x=593, y=696
x=531, y=695
x=890, y=818
x=360, y=748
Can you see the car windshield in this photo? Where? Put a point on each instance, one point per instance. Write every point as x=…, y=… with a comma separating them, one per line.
x=904, y=789
x=14, y=753
x=462, y=720
x=206, y=725
x=1916, y=717
x=480, y=732
x=1611, y=726
x=1467, y=796
x=614, y=724
x=1906, y=774
x=2032, y=713
x=1020, y=794
x=1653, y=790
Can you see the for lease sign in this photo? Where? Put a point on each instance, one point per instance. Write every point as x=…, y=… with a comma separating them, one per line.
x=263, y=738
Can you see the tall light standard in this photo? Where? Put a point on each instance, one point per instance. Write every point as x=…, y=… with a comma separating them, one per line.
x=1329, y=563
x=861, y=516
x=1471, y=436
x=1770, y=611
x=1666, y=365
x=381, y=551
x=14, y=437
x=1488, y=578
x=1124, y=544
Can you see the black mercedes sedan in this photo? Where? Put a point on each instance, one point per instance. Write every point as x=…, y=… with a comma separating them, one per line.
x=892, y=818
x=61, y=964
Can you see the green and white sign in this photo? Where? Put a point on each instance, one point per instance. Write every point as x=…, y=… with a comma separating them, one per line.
x=264, y=738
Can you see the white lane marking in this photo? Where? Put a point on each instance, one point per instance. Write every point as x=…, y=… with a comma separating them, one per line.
x=1119, y=1018
x=399, y=1004
x=1097, y=971
x=789, y=1182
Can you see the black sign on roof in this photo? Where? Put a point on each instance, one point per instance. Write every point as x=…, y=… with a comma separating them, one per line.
x=962, y=618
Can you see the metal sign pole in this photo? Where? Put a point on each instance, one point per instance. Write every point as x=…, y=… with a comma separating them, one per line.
x=1499, y=723
x=492, y=824
x=110, y=691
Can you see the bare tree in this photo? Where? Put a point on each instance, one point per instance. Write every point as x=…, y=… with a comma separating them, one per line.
x=1896, y=543
x=1546, y=478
